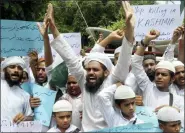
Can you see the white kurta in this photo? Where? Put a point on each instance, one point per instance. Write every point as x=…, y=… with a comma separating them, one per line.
x=152, y=96
x=14, y=100
x=174, y=89
x=75, y=101
x=92, y=118
x=113, y=117
x=70, y=129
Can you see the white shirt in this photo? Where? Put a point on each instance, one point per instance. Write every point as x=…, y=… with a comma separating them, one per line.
x=70, y=129
x=14, y=100
x=113, y=117
x=92, y=118
x=152, y=96
x=75, y=101
x=130, y=80
x=174, y=89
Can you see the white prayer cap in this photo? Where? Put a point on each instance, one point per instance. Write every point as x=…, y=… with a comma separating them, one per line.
x=166, y=65
x=61, y=106
x=168, y=114
x=124, y=92
x=100, y=57
x=13, y=60
x=117, y=50
x=177, y=63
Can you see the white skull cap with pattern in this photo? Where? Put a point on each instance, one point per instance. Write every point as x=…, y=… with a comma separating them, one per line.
x=166, y=65
x=61, y=106
x=168, y=114
x=124, y=92
x=177, y=63
x=100, y=57
x=13, y=60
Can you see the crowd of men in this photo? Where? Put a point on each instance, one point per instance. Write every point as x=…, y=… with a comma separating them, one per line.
x=98, y=94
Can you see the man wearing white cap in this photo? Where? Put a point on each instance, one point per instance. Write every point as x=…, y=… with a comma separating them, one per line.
x=98, y=74
x=74, y=96
x=14, y=101
x=124, y=98
x=179, y=84
x=62, y=111
x=169, y=120
x=155, y=94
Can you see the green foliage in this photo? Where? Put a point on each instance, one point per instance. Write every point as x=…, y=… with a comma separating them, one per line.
x=97, y=13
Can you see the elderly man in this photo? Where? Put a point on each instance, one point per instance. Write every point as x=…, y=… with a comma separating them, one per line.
x=99, y=70
x=178, y=86
x=15, y=104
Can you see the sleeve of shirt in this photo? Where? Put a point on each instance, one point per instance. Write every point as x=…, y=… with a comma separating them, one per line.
x=140, y=74
x=105, y=104
x=169, y=52
x=49, y=71
x=71, y=60
x=122, y=67
x=97, y=48
x=27, y=108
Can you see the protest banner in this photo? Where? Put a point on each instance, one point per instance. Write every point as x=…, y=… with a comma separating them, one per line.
x=73, y=39
x=26, y=126
x=44, y=111
x=147, y=115
x=164, y=18
x=145, y=127
x=19, y=37
x=27, y=86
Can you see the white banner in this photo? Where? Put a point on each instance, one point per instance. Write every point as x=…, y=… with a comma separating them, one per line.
x=164, y=18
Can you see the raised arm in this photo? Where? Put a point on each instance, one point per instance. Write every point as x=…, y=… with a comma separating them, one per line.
x=122, y=67
x=115, y=35
x=169, y=52
x=64, y=49
x=181, y=48
x=105, y=98
x=137, y=68
x=47, y=49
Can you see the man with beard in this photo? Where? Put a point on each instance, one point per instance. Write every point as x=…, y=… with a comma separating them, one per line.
x=14, y=101
x=179, y=84
x=41, y=76
x=99, y=68
x=74, y=96
x=156, y=94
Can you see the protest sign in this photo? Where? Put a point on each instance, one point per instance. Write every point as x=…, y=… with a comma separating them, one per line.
x=44, y=111
x=164, y=18
x=147, y=115
x=27, y=86
x=145, y=127
x=19, y=37
x=26, y=126
x=74, y=40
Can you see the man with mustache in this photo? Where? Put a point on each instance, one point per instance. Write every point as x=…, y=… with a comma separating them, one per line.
x=157, y=93
x=99, y=69
x=74, y=96
x=15, y=104
x=178, y=86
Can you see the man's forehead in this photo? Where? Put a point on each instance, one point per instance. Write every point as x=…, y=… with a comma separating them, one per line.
x=162, y=70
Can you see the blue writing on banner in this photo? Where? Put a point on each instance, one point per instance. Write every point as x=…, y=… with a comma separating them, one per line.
x=44, y=111
x=147, y=114
x=145, y=127
x=19, y=37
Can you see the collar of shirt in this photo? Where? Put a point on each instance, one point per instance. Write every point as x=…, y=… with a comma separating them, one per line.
x=131, y=120
x=71, y=128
